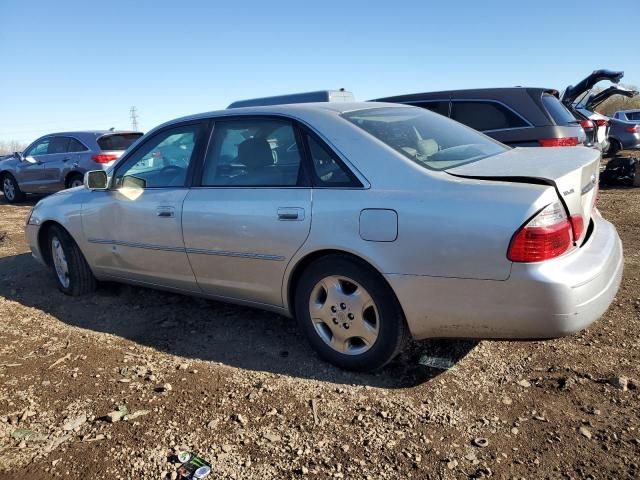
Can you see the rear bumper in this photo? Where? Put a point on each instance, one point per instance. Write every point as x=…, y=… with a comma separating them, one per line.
x=538, y=300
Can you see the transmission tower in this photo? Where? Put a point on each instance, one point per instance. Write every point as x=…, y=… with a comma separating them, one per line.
x=133, y=115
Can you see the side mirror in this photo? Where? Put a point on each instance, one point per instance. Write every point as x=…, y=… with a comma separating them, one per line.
x=96, y=180
x=18, y=156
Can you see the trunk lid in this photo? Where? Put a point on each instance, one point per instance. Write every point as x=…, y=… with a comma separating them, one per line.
x=572, y=171
x=594, y=100
x=572, y=92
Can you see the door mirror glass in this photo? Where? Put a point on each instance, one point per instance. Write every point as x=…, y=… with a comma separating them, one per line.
x=96, y=180
x=29, y=159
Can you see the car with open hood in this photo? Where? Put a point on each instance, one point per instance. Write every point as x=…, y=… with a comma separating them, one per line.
x=368, y=222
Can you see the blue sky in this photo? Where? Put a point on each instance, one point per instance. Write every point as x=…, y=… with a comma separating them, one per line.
x=71, y=64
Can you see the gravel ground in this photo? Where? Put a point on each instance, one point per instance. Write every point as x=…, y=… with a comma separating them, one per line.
x=242, y=388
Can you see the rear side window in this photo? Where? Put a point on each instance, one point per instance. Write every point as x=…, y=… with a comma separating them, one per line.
x=485, y=115
x=560, y=114
x=76, y=146
x=117, y=141
x=441, y=106
x=252, y=153
x=59, y=145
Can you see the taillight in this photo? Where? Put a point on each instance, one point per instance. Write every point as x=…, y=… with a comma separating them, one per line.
x=104, y=157
x=547, y=235
x=586, y=123
x=634, y=129
x=559, y=142
x=601, y=122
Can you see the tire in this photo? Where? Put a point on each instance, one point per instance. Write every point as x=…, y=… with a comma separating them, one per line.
x=348, y=297
x=614, y=147
x=75, y=180
x=11, y=189
x=70, y=269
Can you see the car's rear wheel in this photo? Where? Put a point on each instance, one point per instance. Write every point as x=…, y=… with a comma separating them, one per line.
x=349, y=314
x=71, y=270
x=75, y=180
x=614, y=147
x=11, y=189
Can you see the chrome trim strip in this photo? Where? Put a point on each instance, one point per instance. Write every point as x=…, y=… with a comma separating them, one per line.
x=224, y=253
x=197, y=251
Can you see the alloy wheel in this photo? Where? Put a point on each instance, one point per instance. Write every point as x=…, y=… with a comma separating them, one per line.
x=9, y=189
x=60, y=262
x=344, y=315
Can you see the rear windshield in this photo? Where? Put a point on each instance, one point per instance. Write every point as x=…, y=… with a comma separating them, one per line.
x=560, y=114
x=633, y=115
x=429, y=139
x=117, y=141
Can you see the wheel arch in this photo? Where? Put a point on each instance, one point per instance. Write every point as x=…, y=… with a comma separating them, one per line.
x=70, y=175
x=300, y=266
x=43, y=237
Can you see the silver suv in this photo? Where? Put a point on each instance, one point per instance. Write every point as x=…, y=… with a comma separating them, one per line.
x=60, y=160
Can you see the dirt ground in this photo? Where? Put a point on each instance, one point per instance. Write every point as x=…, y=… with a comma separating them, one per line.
x=242, y=388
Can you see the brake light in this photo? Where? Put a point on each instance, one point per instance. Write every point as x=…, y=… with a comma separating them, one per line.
x=547, y=235
x=559, y=142
x=104, y=157
x=601, y=122
x=634, y=129
x=586, y=123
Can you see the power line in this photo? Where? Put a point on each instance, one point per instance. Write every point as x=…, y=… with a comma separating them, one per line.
x=133, y=115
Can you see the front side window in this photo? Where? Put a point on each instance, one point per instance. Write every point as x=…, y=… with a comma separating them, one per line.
x=485, y=116
x=430, y=140
x=162, y=161
x=40, y=148
x=252, y=153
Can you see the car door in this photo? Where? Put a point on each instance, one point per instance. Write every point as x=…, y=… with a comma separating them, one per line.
x=250, y=211
x=30, y=171
x=53, y=164
x=133, y=230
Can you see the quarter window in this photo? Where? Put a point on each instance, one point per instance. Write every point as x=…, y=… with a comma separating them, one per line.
x=76, y=146
x=328, y=171
x=162, y=161
x=252, y=153
x=485, y=115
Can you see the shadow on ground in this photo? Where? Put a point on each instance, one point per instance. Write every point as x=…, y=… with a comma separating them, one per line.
x=207, y=330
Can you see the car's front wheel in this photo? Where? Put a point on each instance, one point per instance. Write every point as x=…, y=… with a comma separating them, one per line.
x=11, y=189
x=349, y=314
x=70, y=269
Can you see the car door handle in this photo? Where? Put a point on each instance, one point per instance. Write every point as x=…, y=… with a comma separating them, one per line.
x=290, y=213
x=166, y=212
x=66, y=159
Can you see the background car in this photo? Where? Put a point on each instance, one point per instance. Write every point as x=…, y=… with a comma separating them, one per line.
x=627, y=115
x=515, y=116
x=60, y=160
x=368, y=222
x=623, y=135
x=587, y=108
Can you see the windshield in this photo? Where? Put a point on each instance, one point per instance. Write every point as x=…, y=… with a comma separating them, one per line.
x=429, y=139
x=117, y=141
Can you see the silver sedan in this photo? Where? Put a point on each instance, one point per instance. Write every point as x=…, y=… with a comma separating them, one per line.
x=367, y=222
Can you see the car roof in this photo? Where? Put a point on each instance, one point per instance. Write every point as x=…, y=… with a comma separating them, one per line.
x=291, y=109
x=468, y=93
x=95, y=133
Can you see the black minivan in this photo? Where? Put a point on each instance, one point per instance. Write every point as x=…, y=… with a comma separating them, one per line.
x=516, y=116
